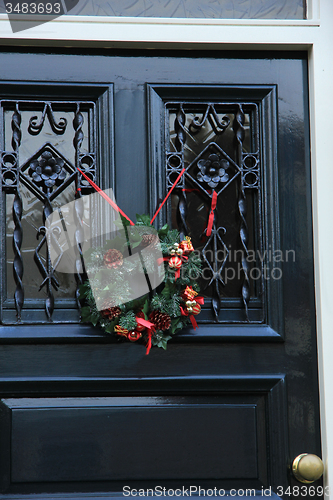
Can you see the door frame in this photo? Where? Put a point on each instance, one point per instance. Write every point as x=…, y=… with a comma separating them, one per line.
x=314, y=35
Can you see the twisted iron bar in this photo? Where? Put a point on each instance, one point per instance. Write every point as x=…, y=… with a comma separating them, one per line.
x=18, y=261
x=179, y=143
x=239, y=130
x=79, y=237
x=17, y=216
x=16, y=128
x=77, y=125
x=216, y=299
x=180, y=128
x=78, y=214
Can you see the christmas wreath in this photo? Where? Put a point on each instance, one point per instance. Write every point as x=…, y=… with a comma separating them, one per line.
x=166, y=309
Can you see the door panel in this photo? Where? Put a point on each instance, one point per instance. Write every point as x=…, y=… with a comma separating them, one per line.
x=228, y=405
x=126, y=451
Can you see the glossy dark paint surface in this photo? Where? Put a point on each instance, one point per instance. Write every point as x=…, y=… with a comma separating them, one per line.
x=274, y=383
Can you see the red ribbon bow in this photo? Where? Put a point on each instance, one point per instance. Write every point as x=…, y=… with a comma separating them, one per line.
x=199, y=300
x=150, y=327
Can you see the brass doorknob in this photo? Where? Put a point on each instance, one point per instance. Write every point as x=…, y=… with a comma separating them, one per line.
x=307, y=468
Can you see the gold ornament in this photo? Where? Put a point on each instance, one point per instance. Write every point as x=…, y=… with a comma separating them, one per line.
x=119, y=330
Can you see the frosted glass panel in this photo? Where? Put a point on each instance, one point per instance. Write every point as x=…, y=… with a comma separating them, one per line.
x=211, y=9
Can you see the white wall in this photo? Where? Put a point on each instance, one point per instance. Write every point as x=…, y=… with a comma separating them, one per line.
x=315, y=35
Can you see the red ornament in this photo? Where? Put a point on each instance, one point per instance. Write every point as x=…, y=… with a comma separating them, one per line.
x=134, y=336
x=140, y=328
x=196, y=309
x=175, y=262
x=186, y=245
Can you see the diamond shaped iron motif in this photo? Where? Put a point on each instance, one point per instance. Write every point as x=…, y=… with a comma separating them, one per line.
x=209, y=169
x=47, y=173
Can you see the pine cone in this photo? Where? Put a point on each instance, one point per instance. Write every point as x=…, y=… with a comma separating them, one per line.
x=113, y=259
x=162, y=321
x=111, y=312
x=149, y=239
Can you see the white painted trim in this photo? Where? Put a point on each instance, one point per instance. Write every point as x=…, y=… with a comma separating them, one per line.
x=321, y=99
x=312, y=9
x=309, y=35
x=107, y=34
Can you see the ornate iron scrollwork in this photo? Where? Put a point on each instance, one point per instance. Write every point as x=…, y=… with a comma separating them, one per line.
x=208, y=140
x=218, y=125
x=35, y=127
x=46, y=175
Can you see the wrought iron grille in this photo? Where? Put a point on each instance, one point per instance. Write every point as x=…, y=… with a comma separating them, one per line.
x=218, y=144
x=42, y=144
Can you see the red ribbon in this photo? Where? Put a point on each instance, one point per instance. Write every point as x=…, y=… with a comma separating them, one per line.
x=150, y=327
x=149, y=342
x=191, y=316
x=145, y=323
x=106, y=197
x=211, y=215
x=193, y=321
x=162, y=259
x=167, y=196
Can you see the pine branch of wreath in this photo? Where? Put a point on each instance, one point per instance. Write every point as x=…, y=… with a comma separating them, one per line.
x=167, y=312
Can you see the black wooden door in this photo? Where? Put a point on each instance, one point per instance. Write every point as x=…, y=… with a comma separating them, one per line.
x=227, y=406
